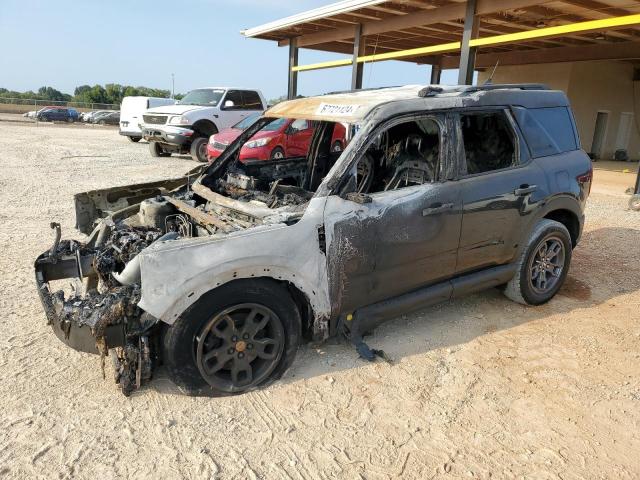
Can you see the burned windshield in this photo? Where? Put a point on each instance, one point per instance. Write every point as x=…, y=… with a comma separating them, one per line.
x=278, y=161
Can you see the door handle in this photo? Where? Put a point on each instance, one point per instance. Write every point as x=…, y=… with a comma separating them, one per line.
x=525, y=190
x=437, y=208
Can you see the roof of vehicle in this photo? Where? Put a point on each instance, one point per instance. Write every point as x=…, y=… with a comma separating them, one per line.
x=354, y=106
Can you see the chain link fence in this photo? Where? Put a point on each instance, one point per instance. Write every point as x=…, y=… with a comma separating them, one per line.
x=23, y=105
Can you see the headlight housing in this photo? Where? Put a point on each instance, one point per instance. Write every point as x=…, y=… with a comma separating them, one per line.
x=178, y=120
x=261, y=142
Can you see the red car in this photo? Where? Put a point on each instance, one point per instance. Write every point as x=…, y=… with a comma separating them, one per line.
x=282, y=138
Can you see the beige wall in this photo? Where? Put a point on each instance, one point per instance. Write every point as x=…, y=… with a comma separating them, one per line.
x=591, y=87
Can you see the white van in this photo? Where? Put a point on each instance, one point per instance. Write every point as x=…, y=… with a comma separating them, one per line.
x=131, y=111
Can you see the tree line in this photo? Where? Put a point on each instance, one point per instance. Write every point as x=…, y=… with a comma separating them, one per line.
x=111, y=93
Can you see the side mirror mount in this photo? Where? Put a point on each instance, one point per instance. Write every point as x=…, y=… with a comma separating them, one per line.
x=349, y=192
x=357, y=197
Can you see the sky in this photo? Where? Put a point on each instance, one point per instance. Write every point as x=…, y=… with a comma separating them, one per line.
x=65, y=43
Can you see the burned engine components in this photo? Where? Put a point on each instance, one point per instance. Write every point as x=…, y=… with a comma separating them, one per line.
x=154, y=212
x=130, y=274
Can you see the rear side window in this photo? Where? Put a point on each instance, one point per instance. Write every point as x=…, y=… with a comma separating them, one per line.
x=488, y=142
x=251, y=100
x=548, y=131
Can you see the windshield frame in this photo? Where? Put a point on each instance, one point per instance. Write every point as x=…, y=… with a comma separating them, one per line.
x=217, y=169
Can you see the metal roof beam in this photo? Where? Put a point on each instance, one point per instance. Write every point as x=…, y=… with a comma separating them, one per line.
x=612, y=51
x=416, y=19
x=518, y=37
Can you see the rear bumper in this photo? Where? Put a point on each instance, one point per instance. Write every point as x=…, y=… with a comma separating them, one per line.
x=129, y=131
x=167, y=134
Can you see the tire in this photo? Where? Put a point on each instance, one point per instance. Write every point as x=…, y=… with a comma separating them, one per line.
x=156, y=150
x=277, y=154
x=634, y=203
x=101, y=122
x=69, y=119
x=198, y=149
x=134, y=139
x=526, y=287
x=200, y=331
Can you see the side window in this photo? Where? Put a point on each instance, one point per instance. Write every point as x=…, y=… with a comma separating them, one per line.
x=236, y=97
x=251, y=100
x=400, y=156
x=488, y=142
x=548, y=131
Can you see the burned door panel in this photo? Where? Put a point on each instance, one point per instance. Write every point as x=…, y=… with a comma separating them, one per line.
x=402, y=240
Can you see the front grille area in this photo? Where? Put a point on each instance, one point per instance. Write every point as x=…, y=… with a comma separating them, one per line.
x=220, y=145
x=155, y=119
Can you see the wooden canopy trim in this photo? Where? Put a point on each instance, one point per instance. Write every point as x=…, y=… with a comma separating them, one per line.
x=527, y=35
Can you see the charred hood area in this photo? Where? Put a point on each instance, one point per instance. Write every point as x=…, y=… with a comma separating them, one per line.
x=100, y=312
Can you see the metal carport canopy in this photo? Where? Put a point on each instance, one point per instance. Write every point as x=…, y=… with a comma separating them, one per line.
x=464, y=34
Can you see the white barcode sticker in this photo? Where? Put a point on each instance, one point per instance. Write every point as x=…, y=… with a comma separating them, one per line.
x=337, y=110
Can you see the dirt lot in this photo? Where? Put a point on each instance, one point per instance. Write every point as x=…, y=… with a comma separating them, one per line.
x=479, y=388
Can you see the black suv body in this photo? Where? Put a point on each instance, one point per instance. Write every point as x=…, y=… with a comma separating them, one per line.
x=439, y=193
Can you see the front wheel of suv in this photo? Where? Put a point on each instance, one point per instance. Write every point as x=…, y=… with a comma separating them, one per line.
x=156, y=150
x=235, y=338
x=543, y=265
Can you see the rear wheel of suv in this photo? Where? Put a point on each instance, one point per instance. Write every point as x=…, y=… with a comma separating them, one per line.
x=156, y=150
x=134, y=139
x=238, y=337
x=543, y=265
x=199, y=149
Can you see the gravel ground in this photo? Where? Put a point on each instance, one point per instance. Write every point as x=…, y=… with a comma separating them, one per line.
x=479, y=387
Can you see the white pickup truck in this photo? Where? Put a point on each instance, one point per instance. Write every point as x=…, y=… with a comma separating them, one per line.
x=186, y=126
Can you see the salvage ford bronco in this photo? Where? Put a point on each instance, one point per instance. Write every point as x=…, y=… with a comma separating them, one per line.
x=221, y=274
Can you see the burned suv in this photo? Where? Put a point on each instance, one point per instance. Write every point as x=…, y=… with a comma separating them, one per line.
x=221, y=274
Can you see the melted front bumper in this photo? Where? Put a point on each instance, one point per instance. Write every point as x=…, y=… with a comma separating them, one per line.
x=93, y=324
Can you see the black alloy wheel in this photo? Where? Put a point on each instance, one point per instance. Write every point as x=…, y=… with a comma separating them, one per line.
x=239, y=347
x=546, y=265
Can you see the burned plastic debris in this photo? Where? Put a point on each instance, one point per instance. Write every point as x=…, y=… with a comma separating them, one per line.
x=123, y=245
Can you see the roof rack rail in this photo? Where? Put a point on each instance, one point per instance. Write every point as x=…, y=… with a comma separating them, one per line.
x=505, y=86
x=433, y=90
